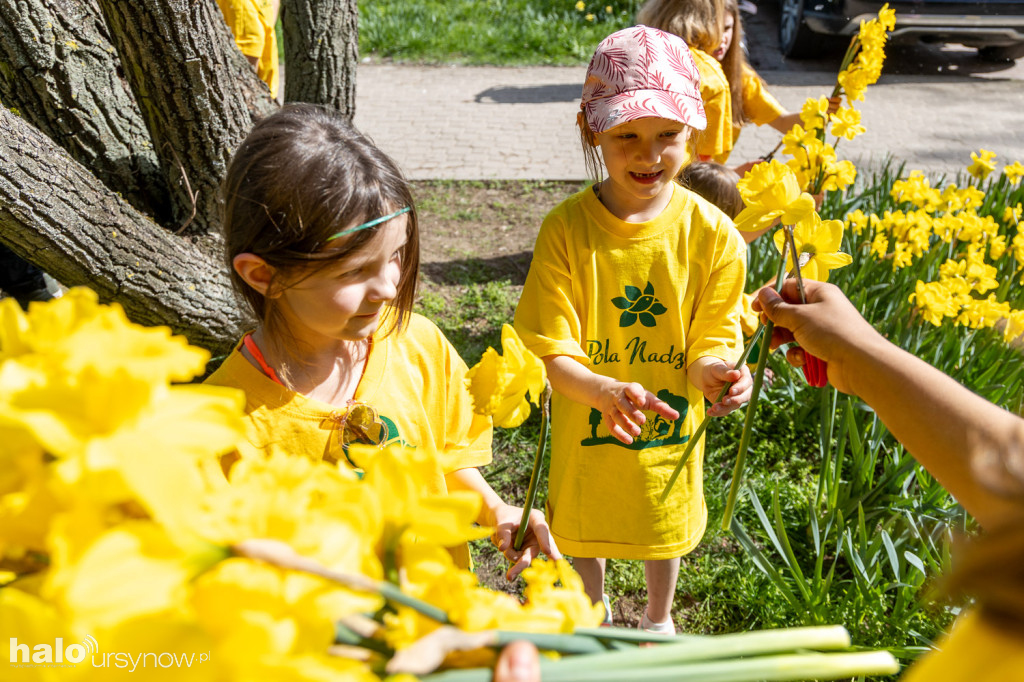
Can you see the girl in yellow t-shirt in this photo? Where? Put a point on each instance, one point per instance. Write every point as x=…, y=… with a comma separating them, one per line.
x=322, y=241
x=633, y=302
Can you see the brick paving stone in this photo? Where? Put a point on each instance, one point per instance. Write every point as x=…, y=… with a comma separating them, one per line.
x=473, y=123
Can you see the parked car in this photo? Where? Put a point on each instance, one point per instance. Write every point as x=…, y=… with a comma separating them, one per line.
x=807, y=28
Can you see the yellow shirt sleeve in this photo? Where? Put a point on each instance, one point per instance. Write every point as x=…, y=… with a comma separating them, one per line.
x=254, y=34
x=758, y=104
x=715, y=141
x=974, y=650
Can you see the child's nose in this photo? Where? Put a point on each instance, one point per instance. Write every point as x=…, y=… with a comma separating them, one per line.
x=384, y=286
x=649, y=152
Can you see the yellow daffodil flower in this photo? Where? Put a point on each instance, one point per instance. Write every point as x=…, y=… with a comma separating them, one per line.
x=820, y=240
x=846, y=123
x=1014, y=326
x=814, y=113
x=580, y=6
x=933, y=301
x=771, y=190
x=1014, y=172
x=499, y=383
x=982, y=163
x=1012, y=214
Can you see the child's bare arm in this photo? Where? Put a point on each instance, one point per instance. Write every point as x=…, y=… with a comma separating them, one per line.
x=504, y=519
x=620, y=402
x=710, y=374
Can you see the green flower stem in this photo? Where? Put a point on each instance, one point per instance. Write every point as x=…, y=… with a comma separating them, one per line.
x=796, y=262
x=531, y=493
x=761, y=655
x=280, y=554
x=748, y=422
x=563, y=644
x=755, y=394
x=803, y=666
x=695, y=438
x=757, y=643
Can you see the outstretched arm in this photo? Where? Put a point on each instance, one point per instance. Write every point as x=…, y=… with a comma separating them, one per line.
x=947, y=428
x=620, y=402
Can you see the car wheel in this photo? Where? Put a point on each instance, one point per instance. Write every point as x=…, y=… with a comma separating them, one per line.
x=1001, y=53
x=795, y=39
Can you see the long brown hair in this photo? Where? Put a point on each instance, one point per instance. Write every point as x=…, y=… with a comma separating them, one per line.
x=734, y=62
x=701, y=23
x=303, y=174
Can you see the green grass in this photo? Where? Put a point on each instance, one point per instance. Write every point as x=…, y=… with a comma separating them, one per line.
x=502, y=32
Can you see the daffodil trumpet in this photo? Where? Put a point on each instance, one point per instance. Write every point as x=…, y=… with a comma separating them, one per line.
x=280, y=554
x=699, y=433
x=531, y=492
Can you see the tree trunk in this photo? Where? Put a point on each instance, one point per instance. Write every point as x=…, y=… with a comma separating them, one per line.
x=54, y=213
x=321, y=43
x=59, y=71
x=181, y=55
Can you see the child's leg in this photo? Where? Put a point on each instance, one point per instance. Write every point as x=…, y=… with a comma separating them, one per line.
x=661, y=577
x=592, y=572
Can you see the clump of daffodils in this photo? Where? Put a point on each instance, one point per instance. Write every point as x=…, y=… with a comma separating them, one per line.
x=981, y=239
x=813, y=158
x=119, y=523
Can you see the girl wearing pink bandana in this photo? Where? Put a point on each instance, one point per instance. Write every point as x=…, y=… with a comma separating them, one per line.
x=633, y=302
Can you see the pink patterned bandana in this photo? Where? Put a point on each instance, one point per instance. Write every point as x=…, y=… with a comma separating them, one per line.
x=641, y=72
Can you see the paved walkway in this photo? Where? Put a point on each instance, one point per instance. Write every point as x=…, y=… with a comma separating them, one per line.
x=471, y=123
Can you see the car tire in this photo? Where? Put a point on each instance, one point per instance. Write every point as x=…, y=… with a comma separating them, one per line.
x=1001, y=53
x=795, y=39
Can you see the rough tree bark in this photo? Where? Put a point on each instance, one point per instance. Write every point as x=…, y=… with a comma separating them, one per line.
x=190, y=98
x=321, y=43
x=106, y=244
x=183, y=82
x=60, y=71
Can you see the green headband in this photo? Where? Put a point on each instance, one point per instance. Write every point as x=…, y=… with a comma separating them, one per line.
x=372, y=223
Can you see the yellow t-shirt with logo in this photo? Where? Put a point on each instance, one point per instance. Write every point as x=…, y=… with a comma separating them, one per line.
x=415, y=380
x=637, y=302
x=715, y=141
x=253, y=29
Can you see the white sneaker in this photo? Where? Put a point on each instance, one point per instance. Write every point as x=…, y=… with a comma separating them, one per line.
x=666, y=628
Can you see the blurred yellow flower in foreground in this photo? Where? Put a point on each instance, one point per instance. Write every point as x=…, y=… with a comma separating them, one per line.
x=499, y=383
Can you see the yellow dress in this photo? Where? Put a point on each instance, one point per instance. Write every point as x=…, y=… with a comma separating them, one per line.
x=637, y=302
x=253, y=29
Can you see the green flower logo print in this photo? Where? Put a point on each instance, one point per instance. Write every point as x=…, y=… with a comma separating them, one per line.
x=638, y=305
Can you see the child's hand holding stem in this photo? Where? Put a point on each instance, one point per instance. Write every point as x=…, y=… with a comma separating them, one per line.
x=621, y=403
x=710, y=375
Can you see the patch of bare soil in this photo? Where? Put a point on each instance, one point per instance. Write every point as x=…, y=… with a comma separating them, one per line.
x=482, y=231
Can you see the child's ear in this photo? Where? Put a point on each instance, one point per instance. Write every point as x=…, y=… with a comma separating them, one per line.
x=255, y=271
